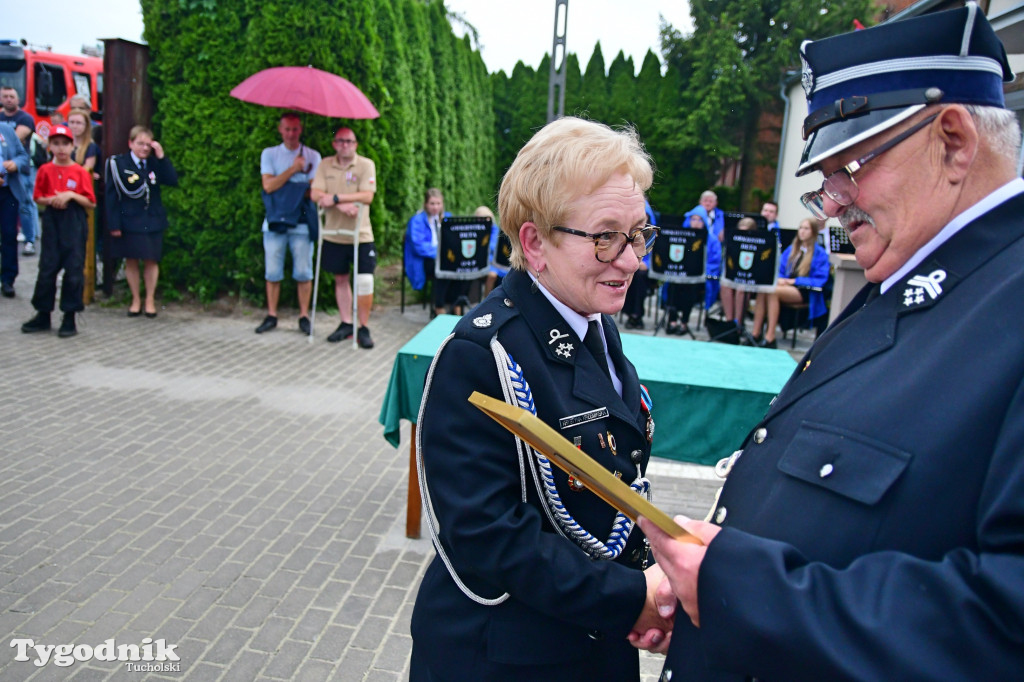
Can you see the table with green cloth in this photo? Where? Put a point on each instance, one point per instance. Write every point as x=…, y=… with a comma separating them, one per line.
x=706, y=395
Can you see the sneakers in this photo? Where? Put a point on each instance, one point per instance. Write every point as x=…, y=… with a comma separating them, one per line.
x=304, y=325
x=29, y=250
x=269, y=322
x=7, y=290
x=39, y=323
x=67, y=326
x=344, y=331
x=363, y=338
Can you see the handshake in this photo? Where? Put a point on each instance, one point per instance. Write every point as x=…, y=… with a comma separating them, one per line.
x=673, y=578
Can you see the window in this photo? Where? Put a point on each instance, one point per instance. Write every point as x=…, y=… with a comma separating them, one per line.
x=51, y=90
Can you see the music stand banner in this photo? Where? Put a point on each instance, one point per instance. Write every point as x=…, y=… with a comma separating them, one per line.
x=503, y=254
x=679, y=255
x=750, y=260
x=462, y=247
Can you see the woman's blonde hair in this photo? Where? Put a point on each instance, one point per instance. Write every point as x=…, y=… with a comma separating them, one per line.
x=81, y=149
x=563, y=161
x=801, y=265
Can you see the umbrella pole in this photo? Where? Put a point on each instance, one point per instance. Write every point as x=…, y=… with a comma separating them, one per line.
x=316, y=273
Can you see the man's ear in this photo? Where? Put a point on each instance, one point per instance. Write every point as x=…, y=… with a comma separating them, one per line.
x=533, y=247
x=960, y=139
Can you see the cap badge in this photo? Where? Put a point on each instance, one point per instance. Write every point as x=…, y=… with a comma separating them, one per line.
x=806, y=77
x=919, y=285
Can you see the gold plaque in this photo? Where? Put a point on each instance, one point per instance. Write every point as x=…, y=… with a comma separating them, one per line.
x=567, y=457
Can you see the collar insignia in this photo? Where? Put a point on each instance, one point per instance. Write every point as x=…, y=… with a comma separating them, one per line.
x=482, y=322
x=564, y=350
x=920, y=285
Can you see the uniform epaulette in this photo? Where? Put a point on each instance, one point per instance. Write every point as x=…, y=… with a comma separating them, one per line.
x=483, y=322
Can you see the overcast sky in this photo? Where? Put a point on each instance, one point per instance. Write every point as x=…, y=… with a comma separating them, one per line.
x=509, y=32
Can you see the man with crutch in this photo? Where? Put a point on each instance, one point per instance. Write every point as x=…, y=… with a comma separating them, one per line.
x=343, y=187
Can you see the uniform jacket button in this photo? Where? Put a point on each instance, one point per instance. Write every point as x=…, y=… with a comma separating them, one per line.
x=760, y=435
x=636, y=456
x=826, y=470
x=595, y=635
x=666, y=675
x=508, y=303
x=721, y=514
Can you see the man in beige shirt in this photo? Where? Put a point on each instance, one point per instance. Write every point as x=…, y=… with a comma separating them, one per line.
x=342, y=181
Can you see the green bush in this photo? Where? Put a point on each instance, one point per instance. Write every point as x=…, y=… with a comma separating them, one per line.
x=431, y=88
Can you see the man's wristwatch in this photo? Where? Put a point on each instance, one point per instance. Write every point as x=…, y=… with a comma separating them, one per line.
x=336, y=200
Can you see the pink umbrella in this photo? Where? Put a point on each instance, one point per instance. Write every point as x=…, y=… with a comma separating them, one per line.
x=303, y=88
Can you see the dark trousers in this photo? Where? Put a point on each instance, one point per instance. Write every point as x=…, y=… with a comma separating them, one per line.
x=63, y=248
x=635, y=295
x=680, y=299
x=8, y=234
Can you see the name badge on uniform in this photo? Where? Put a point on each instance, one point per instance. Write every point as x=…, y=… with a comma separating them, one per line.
x=582, y=418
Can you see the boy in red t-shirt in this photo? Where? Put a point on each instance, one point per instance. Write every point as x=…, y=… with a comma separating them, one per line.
x=65, y=190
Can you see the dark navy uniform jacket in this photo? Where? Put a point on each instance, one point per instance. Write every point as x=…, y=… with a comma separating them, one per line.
x=140, y=214
x=874, y=524
x=568, y=615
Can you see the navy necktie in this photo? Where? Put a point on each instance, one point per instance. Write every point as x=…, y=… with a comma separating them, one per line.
x=595, y=345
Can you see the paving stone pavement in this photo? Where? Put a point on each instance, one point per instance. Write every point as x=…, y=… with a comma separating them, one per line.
x=185, y=479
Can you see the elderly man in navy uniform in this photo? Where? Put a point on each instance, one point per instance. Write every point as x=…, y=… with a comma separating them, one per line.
x=872, y=526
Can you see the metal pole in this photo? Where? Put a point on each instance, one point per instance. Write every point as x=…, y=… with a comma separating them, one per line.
x=316, y=273
x=556, y=77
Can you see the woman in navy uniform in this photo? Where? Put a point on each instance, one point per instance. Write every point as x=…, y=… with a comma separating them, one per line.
x=536, y=578
x=136, y=218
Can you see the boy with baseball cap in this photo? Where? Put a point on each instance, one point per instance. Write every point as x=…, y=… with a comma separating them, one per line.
x=64, y=190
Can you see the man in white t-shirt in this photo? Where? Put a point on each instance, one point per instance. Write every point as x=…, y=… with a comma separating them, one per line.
x=289, y=162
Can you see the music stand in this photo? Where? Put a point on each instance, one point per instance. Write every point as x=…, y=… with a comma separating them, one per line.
x=502, y=260
x=839, y=240
x=679, y=256
x=462, y=252
x=751, y=263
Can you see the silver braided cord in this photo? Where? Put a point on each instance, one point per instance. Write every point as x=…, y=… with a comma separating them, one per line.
x=119, y=183
x=432, y=523
x=516, y=391
x=564, y=521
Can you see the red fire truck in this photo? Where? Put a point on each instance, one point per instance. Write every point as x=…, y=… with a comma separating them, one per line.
x=46, y=80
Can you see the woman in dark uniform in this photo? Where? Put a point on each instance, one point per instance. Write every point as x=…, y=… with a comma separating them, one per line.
x=536, y=578
x=136, y=218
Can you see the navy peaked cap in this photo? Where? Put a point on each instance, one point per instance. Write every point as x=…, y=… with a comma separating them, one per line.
x=862, y=83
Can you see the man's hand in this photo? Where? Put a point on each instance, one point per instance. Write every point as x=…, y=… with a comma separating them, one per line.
x=350, y=209
x=157, y=149
x=680, y=561
x=654, y=626
x=11, y=166
x=298, y=164
x=326, y=201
